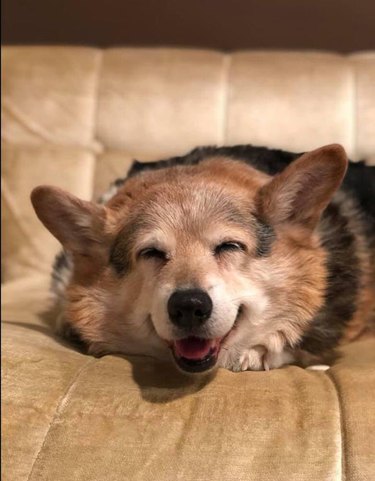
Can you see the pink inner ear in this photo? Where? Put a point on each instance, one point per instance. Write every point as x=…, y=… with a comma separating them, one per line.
x=303, y=190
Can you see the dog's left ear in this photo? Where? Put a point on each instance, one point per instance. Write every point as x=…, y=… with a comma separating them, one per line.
x=303, y=190
x=77, y=224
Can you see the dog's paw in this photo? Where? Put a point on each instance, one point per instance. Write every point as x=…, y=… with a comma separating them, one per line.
x=258, y=358
x=238, y=360
x=252, y=359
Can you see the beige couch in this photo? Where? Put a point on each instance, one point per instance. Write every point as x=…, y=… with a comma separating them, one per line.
x=75, y=117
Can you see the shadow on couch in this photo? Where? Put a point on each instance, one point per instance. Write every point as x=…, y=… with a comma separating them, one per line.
x=158, y=381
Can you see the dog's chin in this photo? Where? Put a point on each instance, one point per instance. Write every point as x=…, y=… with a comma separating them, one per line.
x=194, y=354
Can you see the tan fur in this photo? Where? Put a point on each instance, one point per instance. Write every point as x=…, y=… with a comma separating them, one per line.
x=184, y=211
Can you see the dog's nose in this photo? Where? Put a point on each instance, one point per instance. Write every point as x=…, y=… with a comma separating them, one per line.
x=189, y=308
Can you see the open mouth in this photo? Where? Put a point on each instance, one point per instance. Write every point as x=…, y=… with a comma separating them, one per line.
x=195, y=354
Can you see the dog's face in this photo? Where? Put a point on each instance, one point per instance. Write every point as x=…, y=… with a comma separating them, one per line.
x=191, y=246
x=200, y=260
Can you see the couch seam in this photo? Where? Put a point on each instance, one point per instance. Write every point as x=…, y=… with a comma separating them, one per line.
x=94, y=128
x=227, y=63
x=332, y=378
x=32, y=127
x=353, y=110
x=60, y=406
x=96, y=98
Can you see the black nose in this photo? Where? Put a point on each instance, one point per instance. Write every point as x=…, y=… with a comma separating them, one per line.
x=189, y=308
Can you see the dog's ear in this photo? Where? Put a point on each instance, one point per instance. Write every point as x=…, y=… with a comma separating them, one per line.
x=77, y=224
x=303, y=190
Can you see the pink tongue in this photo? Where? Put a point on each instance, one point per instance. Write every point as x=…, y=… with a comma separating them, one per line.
x=193, y=347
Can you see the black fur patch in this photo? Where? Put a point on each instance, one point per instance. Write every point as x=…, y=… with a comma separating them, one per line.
x=343, y=283
x=61, y=261
x=120, y=253
x=360, y=183
x=119, y=256
x=265, y=238
x=74, y=337
x=266, y=160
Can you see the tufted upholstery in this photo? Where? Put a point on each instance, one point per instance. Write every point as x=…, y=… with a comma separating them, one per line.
x=93, y=111
x=75, y=117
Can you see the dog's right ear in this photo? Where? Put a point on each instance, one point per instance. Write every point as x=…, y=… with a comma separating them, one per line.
x=300, y=193
x=77, y=224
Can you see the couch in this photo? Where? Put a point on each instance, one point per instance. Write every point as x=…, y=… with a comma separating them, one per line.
x=76, y=117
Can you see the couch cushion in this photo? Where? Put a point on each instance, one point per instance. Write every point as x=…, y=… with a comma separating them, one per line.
x=69, y=416
x=110, y=165
x=27, y=245
x=65, y=109
x=160, y=101
x=364, y=103
x=309, y=95
x=49, y=95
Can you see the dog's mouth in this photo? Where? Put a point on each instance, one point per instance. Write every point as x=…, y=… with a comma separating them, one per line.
x=195, y=354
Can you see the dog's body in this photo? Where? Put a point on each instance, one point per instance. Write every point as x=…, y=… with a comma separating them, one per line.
x=238, y=257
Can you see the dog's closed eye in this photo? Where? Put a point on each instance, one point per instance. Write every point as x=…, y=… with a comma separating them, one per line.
x=152, y=253
x=229, y=246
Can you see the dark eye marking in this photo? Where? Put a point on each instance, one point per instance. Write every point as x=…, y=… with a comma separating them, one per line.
x=119, y=256
x=265, y=237
x=152, y=253
x=229, y=246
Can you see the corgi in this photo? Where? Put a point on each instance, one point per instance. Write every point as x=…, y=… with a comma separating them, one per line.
x=238, y=257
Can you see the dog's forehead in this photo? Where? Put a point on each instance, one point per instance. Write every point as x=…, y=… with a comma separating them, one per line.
x=208, y=182
x=194, y=203
x=185, y=199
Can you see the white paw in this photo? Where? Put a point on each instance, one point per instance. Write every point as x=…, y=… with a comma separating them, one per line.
x=256, y=359
x=252, y=359
x=238, y=359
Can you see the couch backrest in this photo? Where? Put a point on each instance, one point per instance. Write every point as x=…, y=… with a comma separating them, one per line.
x=75, y=117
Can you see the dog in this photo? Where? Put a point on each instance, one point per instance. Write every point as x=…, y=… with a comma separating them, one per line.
x=238, y=257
